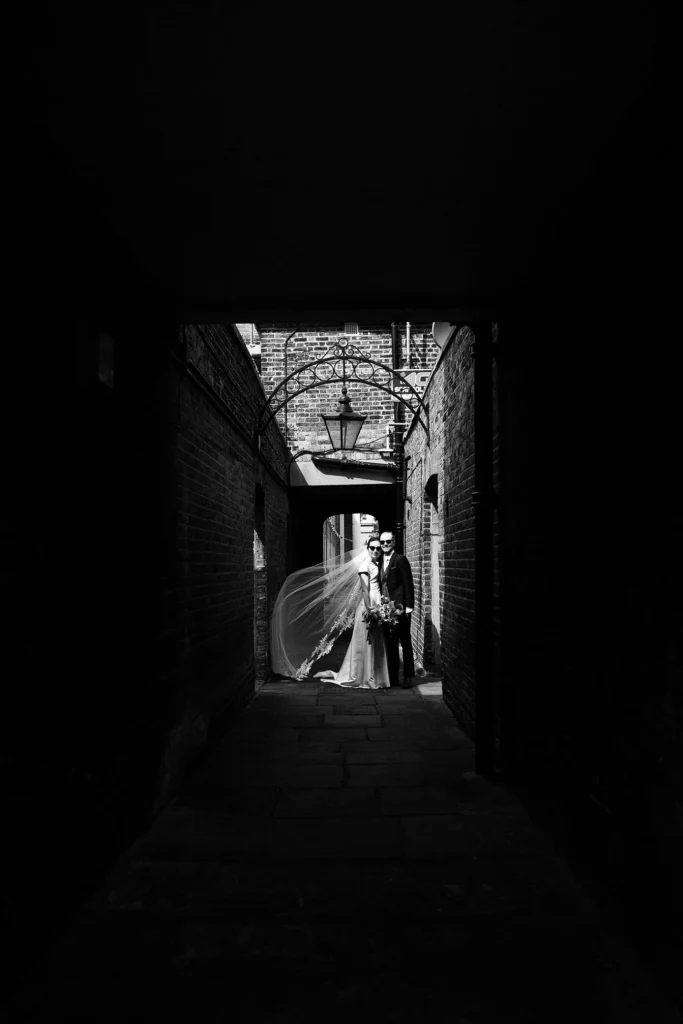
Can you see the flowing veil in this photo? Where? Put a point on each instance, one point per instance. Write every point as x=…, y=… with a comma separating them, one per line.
x=313, y=608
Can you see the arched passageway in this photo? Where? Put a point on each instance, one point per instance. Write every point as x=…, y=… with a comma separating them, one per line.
x=311, y=506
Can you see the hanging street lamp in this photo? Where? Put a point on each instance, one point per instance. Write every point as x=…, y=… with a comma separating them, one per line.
x=345, y=425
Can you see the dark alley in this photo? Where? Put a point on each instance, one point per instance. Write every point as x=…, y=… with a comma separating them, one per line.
x=381, y=319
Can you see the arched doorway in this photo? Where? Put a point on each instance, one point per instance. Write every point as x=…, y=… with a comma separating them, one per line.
x=310, y=507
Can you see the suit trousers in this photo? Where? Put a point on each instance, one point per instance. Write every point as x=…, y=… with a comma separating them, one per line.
x=392, y=639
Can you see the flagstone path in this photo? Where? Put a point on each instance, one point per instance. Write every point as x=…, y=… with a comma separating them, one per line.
x=336, y=859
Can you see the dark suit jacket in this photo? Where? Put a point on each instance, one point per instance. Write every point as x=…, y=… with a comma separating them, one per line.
x=400, y=581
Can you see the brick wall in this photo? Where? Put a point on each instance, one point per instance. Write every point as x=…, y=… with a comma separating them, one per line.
x=440, y=485
x=583, y=676
x=302, y=418
x=230, y=508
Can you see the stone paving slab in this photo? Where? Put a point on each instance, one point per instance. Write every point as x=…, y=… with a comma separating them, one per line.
x=425, y=726
x=287, y=690
x=318, y=741
x=418, y=741
x=335, y=837
x=307, y=776
x=277, y=699
x=275, y=724
x=405, y=774
x=418, y=800
x=409, y=718
x=321, y=756
x=226, y=757
x=360, y=710
x=383, y=755
x=397, y=695
x=339, y=734
x=282, y=715
x=395, y=714
x=437, y=707
x=357, y=720
x=326, y=803
x=279, y=774
x=417, y=723
x=237, y=770
x=446, y=737
x=341, y=697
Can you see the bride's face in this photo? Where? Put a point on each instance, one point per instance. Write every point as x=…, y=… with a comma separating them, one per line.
x=375, y=550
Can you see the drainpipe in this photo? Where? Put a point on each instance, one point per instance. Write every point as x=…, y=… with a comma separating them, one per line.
x=287, y=341
x=482, y=499
x=398, y=438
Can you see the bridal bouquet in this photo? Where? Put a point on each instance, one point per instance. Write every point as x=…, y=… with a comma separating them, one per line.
x=387, y=612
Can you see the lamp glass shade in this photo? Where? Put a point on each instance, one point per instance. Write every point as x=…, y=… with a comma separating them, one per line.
x=343, y=429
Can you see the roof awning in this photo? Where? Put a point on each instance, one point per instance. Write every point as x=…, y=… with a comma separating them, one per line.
x=322, y=472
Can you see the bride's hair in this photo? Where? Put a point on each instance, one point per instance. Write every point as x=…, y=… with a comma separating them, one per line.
x=373, y=536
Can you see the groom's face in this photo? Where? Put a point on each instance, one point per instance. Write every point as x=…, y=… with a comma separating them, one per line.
x=387, y=544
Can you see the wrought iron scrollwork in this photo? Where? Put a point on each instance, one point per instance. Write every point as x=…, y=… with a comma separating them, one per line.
x=341, y=363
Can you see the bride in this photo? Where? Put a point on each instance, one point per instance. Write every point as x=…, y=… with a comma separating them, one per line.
x=316, y=605
x=365, y=664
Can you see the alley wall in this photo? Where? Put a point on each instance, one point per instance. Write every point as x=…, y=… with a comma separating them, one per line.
x=440, y=526
x=145, y=542
x=230, y=507
x=586, y=608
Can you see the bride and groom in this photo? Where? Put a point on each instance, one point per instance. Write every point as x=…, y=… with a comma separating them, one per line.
x=375, y=665
x=316, y=606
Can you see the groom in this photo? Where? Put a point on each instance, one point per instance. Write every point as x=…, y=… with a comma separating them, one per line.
x=396, y=581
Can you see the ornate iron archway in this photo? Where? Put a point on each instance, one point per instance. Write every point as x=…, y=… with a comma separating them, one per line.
x=326, y=370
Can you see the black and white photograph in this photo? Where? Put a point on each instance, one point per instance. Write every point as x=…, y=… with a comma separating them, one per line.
x=342, y=515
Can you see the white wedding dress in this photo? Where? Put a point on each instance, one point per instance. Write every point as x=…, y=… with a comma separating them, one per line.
x=365, y=664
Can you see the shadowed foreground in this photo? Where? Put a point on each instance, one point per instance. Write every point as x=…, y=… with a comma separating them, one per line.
x=332, y=860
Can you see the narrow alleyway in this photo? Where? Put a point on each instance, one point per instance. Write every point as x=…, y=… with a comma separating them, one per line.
x=333, y=860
